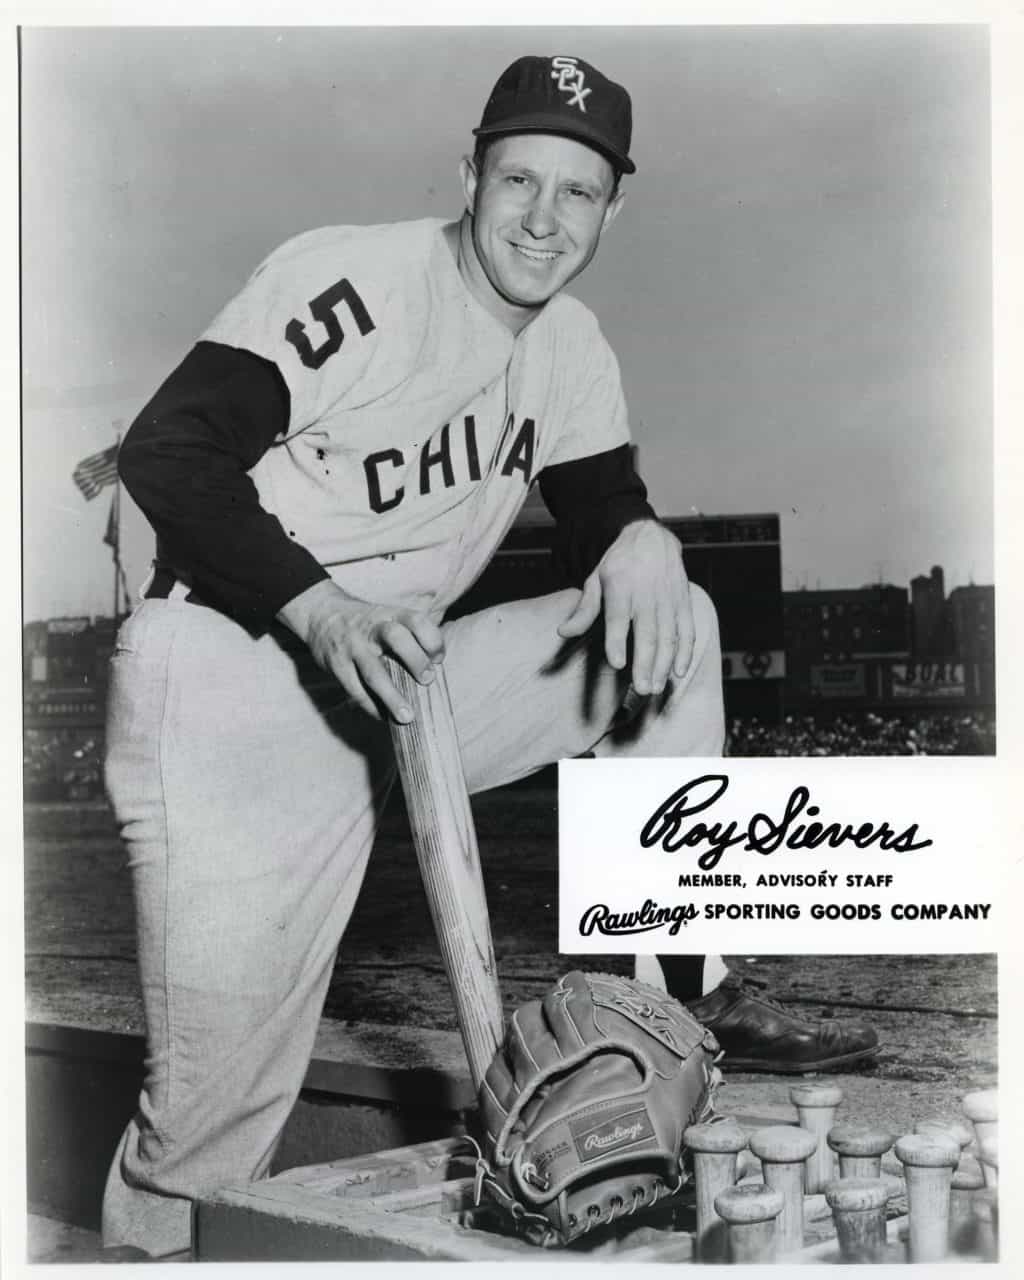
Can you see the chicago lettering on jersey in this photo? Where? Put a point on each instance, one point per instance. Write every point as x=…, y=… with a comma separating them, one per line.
x=448, y=459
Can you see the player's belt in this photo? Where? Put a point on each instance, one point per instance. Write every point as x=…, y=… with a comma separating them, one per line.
x=165, y=583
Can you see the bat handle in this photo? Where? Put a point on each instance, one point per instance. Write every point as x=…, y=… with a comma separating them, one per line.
x=437, y=800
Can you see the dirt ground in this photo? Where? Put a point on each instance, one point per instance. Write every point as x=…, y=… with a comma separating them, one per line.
x=935, y=1015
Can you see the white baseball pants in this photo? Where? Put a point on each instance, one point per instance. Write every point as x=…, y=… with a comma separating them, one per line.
x=247, y=791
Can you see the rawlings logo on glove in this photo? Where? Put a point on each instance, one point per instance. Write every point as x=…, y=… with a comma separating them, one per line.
x=585, y=1103
x=608, y=1137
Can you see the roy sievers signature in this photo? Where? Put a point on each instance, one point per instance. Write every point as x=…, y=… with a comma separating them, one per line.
x=671, y=826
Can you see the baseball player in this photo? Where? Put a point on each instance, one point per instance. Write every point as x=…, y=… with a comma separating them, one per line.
x=327, y=471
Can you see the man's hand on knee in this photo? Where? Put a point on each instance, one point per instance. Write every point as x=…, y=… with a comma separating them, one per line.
x=349, y=638
x=641, y=586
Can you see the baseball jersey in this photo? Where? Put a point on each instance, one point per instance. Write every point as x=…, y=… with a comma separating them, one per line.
x=417, y=420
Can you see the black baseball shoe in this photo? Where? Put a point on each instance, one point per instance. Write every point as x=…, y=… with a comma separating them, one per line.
x=757, y=1033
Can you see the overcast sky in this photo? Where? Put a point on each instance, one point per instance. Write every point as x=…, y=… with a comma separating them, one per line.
x=798, y=288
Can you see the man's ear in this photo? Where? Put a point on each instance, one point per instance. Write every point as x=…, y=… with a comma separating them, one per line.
x=612, y=212
x=470, y=180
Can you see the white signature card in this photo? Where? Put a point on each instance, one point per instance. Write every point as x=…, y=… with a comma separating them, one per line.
x=787, y=855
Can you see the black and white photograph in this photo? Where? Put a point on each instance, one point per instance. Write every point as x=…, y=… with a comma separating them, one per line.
x=318, y=589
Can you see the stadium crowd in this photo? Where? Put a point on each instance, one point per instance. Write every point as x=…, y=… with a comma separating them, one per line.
x=62, y=764
x=867, y=734
x=68, y=764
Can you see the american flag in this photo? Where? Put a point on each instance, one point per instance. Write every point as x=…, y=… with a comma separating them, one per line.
x=97, y=471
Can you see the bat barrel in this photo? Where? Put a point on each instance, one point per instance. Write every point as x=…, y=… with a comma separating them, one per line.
x=430, y=767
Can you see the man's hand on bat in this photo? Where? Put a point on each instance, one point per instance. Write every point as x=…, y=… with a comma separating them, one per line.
x=350, y=638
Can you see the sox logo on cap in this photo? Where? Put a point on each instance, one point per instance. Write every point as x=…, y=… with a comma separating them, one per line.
x=570, y=80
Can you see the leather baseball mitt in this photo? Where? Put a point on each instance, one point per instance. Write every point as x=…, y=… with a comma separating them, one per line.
x=585, y=1103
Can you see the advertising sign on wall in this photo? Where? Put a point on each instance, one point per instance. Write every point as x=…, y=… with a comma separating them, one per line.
x=927, y=680
x=838, y=680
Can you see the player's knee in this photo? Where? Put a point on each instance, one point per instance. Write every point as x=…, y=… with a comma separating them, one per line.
x=567, y=598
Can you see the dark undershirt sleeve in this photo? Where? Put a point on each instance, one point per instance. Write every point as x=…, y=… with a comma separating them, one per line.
x=592, y=500
x=185, y=460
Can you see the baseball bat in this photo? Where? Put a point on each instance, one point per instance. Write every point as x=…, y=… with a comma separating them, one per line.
x=430, y=767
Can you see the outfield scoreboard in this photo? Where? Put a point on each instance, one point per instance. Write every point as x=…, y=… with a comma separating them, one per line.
x=738, y=562
x=737, y=559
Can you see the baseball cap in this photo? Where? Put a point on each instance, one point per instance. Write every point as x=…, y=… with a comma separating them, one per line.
x=562, y=95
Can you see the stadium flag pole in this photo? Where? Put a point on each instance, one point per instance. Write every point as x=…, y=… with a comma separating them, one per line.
x=118, y=425
x=113, y=534
x=92, y=475
x=115, y=519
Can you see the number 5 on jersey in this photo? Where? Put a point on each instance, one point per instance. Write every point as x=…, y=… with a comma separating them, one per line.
x=322, y=308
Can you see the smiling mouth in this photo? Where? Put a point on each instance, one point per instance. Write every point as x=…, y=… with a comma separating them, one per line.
x=535, y=255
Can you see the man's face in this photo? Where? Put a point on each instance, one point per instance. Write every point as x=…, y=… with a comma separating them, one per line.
x=539, y=208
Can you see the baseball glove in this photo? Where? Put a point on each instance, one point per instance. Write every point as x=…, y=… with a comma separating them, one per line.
x=585, y=1103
